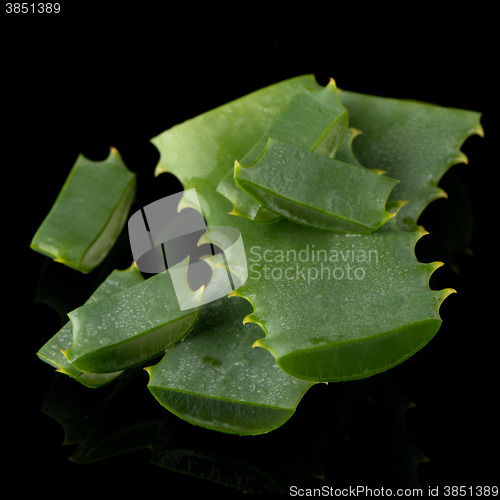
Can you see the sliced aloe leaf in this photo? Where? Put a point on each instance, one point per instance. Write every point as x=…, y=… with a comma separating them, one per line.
x=315, y=190
x=355, y=305
x=214, y=378
x=51, y=353
x=413, y=142
x=89, y=213
x=314, y=120
x=132, y=326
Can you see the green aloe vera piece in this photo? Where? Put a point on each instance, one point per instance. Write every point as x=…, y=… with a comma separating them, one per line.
x=315, y=190
x=51, y=353
x=216, y=380
x=356, y=323
x=89, y=213
x=132, y=326
x=336, y=307
x=413, y=142
x=314, y=120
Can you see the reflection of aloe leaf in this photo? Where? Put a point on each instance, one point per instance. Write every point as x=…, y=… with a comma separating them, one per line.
x=51, y=353
x=399, y=455
x=107, y=422
x=79, y=410
x=104, y=423
x=315, y=190
x=376, y=440
x=302, y=444
x=219, y=469
x=114, y=334
x=89, y=213
x=295, y=448
x=71, y=404
x=236, y=463
x=301, y=457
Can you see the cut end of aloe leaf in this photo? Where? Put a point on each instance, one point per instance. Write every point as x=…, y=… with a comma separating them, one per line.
x=243, y=204
x=47, y=359
x=55, y=351
x=88, y=214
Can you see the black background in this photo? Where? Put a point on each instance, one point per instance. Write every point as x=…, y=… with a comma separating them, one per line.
x=71, y=90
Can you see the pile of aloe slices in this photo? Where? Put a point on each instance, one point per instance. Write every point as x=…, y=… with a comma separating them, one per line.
x=325, y=187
